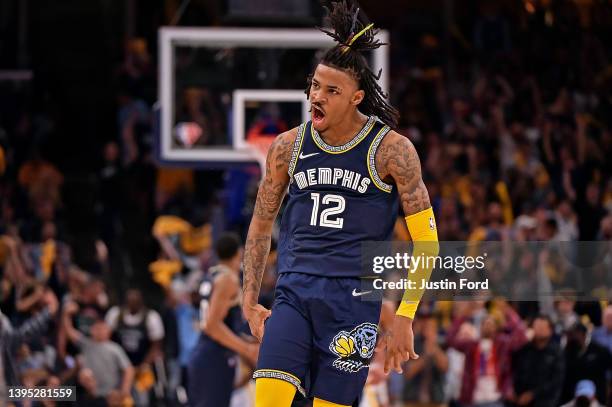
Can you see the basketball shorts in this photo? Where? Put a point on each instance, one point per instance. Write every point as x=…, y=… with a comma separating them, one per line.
x=320, y=337
x=210, y=377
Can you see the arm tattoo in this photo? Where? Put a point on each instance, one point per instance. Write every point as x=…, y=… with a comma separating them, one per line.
x=255, y=255
x=269, y=198
x=273, y=187
x=399, y=160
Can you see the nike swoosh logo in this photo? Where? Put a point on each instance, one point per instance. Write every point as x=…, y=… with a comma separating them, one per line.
x=356, y=294
x=302, y=156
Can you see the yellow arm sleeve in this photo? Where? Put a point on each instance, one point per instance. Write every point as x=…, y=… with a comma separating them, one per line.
x=422, y=227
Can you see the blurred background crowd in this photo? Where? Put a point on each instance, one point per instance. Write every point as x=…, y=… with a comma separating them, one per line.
x=102, y=248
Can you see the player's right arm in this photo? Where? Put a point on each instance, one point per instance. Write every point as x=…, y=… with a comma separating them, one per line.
x=269, y=198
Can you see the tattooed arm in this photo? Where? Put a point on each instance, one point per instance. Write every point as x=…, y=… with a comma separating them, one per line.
x=269, y=198
x=397, y=159
x=398, y=162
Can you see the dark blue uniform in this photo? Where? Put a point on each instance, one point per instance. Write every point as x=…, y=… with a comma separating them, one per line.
x=212, y=367
x=322, y=334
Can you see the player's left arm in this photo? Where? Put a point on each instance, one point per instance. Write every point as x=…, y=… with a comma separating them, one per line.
x=397, y=161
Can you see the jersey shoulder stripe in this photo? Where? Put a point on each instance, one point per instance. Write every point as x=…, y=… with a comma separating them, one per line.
x=371, y=160
x=297, y=147
x=316, y=137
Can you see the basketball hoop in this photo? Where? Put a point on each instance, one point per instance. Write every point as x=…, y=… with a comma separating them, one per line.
x=259, y=145
x=211, y=41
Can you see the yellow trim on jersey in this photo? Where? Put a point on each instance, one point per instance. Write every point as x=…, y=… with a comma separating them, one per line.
x=295, y=154
x=371, y=161
x=280, y=375
x=280, y=371
x=316, y=137
x=317, y=402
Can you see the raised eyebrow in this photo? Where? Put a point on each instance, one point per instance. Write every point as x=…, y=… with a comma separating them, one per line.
x=330, y=87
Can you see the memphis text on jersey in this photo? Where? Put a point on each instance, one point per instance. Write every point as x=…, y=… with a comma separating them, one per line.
x=332, y=176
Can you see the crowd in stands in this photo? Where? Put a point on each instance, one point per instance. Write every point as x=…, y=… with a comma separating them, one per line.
x=515, y=140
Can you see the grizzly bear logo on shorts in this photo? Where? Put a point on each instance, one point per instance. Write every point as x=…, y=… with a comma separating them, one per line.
x=355, y=348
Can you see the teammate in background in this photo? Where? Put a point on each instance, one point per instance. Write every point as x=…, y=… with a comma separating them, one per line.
x=212, y=368
x=345, y=170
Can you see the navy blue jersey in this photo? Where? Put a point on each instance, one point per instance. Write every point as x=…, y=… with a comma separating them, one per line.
x=336, y=201
x=212, y=367
x=233, y=318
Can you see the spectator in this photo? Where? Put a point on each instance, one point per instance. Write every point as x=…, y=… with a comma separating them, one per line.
x=52, y=382
x=47, y=258
x=487, y=377
x=29, y=293
x=139, y=331
x=538, y=367
x=87, y=390
x=605, y=232
x=491, y=31
x=12, y=338
x=41, y=179
x=593, y=212
x=109, y=201
x=32, y=367
x=603, y=334
x=10, y=264
x=110, y=365
x=584, y=396
x=187, y=315
x=566, y=222
x=425, y=376
x=376, y=391
x=181, y=242
x=564, y=316
x=90, y=296
x=585, y=359
x=92, y=301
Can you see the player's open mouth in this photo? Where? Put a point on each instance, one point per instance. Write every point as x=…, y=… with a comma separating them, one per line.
x=317, y=115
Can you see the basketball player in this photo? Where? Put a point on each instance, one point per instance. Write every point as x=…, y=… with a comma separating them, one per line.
x=212, y=368
x=344, y=170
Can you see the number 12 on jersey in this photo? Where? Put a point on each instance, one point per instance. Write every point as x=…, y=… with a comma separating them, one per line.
x=323, y=219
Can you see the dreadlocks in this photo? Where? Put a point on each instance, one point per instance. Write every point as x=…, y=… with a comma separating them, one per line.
x=353, y=38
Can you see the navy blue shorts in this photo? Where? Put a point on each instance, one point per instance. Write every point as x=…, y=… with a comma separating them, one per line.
x=320, y=337
x=210, y=375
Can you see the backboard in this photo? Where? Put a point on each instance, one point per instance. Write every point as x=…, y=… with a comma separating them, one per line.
x=220, y=86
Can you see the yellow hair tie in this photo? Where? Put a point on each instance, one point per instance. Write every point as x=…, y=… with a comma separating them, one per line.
x=359, y=34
